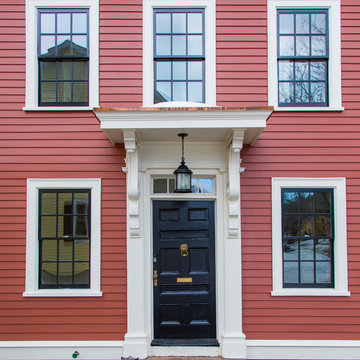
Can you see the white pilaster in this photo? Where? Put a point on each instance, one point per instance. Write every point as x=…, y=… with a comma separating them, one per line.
x=233, y=340
x=136, y=339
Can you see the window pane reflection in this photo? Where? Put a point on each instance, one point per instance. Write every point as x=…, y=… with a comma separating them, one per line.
x=307, y=237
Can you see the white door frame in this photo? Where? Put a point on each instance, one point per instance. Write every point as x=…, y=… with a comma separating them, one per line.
x=221, y=160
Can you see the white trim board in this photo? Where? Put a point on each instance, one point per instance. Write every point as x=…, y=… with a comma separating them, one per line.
x=303, y=349
x=113, y=350
x=55, y=350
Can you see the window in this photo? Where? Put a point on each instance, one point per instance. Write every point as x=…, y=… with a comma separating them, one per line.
x=179, y=55
x=63, y=57
x=309, y=236
x=63, y=237
x=304, y=55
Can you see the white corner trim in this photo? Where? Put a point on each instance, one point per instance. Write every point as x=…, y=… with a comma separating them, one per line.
x=32, y=73
x=303, y=349
x=32, y=244
x=340, y=243
x=210, y=46
x=54, y=350
x=334, y=66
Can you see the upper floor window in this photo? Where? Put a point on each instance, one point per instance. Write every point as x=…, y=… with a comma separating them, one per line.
x=303, y=57
x=179, y=55
x=63, y=57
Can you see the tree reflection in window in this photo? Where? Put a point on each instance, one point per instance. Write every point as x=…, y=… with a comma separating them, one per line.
x=308, y=237
x=303, y=57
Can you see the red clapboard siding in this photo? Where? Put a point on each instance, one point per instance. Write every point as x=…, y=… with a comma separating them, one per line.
x=241, y=53
x=63, y=145
x=121, y=53
x=303, y=145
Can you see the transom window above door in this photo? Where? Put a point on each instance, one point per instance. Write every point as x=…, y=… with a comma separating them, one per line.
x=199, y=185
x=179, y=55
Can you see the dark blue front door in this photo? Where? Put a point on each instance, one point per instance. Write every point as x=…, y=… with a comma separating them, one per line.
x=184, y=273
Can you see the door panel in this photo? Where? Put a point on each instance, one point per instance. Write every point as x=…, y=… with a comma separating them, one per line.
x=184, y=268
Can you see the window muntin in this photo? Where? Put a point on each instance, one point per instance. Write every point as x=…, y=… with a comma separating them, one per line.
x=63, y=57
x=179, y=55
x=303, y=54
x=64, y=238
x=308, y=238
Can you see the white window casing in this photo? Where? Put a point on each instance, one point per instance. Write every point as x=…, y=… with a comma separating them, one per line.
x=334, y=64
x=32, y=72
x=32, y=242
x=340, y=243
x=210, y=49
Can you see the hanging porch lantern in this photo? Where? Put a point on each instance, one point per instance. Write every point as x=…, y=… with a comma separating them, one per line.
x=182, y=173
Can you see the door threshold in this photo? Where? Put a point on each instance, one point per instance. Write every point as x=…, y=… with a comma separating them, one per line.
x=184, y=342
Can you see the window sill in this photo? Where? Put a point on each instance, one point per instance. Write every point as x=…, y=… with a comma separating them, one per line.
x=62, y=293
x=314, y=108
x=309, y=292
x=57, y=108
x=180, y=104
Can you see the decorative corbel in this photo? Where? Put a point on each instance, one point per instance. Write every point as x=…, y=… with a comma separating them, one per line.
x=132, y=182
x=235, y=145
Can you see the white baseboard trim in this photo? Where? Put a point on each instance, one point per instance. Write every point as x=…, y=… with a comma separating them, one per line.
x=303, y=349
x=60, y=350
x=113, y=350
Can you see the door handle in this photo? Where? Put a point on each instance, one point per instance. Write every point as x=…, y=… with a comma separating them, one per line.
x=155, y=277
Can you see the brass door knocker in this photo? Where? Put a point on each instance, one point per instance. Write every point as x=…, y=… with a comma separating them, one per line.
x=184, y=249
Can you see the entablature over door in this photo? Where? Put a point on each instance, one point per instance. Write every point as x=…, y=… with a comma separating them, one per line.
x=204, y=124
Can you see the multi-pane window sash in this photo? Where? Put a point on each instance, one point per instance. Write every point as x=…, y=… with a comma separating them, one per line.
x=308, y=238
x=63, y=56
x=179, y=55
x=64, y=239
x=303, y=53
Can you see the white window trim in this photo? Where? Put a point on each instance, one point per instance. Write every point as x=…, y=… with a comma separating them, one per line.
x=32, y=243
x=32, y=86
x=210, y=48
x=334, y=65
x=340, y=247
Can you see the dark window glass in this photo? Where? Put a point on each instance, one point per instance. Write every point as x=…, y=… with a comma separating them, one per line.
x=179, y=55
x=63, y=54
x=303, y=57
x=64, y=239
x=307, y=237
